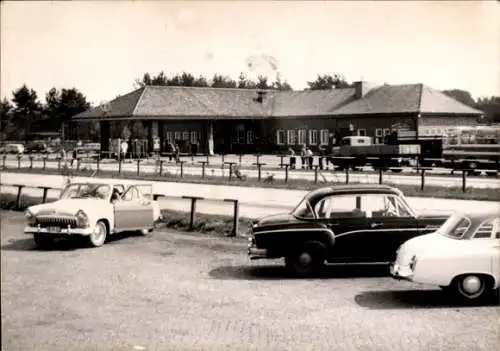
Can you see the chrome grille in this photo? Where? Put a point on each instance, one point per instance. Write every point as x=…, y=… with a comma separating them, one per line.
x=56, y=221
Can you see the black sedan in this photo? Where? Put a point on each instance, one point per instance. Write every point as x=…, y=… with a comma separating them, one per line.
x=340, y=224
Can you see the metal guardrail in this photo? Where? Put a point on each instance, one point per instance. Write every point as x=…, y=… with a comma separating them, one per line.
x=192, y=212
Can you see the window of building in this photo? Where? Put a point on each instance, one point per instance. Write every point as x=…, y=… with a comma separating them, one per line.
x=240, y=136
x=185, y=135
x=250, y=137
x=313, y=137
x=361, y=132
x=379, y=136
x=177, y=135
x=324, y=134
x=169, y=136
x=387, y=131
x=280, y=137
x=193, y=136
x=301, y=136
x=291, y=137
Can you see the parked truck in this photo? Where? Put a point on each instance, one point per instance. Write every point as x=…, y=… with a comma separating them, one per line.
x=360, y=151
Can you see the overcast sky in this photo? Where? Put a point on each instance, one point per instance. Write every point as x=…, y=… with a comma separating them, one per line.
x=101, y=47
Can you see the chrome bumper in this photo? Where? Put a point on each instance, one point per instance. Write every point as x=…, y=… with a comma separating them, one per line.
x=401, y=272
x=62, y=231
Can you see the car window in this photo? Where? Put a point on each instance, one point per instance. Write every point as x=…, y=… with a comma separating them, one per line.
x=382, y=205
x=455, y=226
x=487, y=229
x=339, y=206
x=303, y=210
x=131, y=194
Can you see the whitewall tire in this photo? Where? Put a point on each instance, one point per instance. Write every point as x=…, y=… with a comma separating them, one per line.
x=99, y=234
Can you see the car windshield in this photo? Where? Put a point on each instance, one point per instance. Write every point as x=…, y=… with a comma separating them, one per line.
x=85, y=191
x=303, y=210
x=455, y=226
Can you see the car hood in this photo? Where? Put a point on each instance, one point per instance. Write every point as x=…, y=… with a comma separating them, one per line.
x=277, y=219
x=67, y=206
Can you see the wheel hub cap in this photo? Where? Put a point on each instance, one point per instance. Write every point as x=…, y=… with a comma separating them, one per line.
x=472, y=285
x=305, y=259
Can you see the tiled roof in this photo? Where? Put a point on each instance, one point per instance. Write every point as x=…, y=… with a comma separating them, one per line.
x=436, y=102
x=408, y=98
x=205, y=103
x=310, y=102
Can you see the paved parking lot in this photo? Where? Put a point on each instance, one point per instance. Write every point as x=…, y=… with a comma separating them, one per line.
x=174, y=291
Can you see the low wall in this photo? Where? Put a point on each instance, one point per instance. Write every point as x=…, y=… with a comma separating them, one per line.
x=265, y=197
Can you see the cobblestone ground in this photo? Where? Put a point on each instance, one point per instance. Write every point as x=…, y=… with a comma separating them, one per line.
x=173, y=291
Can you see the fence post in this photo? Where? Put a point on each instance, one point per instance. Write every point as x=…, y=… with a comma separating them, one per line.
x=119, y=165
x=259, y=170
x=203, y=163
x=258, y=158
x=236, y=215
x=19, y=161
x=182, y=168
x=222, y=159
x=193, y=209
x=240, y=158
x=422, y=176
x=18, y=200
x=380, y=175
x=31, y=161
x=161, y=167
x=208, y=159
x=138, y=166
x=98, y=163
x=464, y=180
x=315, y=174
x=59, y=163
x=286, y=172
x=44, y=162
x=4, y=159
x=347, y=175
x=44, y=196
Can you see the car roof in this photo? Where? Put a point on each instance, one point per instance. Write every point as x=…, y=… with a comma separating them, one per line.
x=353, y=189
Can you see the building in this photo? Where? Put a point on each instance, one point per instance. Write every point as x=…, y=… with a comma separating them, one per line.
x=249, y=121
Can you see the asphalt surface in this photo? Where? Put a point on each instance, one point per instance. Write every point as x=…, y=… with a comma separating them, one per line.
x=174, y=291
x=409, y=177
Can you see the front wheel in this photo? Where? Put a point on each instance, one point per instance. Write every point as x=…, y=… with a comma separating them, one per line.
x=305, y=262
x=471, y=287
x=98, y=235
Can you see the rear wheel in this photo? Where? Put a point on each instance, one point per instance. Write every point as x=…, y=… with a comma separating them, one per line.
x=306, y=261
x=471, y=287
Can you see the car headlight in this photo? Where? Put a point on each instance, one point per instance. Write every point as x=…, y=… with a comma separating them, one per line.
x=30, y=218
x=82, y=219
x=413, y=262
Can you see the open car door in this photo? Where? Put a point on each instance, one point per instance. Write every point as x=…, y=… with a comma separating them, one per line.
x=134, y=210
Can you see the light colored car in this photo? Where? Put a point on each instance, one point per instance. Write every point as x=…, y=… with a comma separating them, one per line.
x=13, y=149
x=94, y=211
x=462, y=256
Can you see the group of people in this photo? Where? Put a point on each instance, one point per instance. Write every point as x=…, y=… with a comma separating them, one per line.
x=307, y=157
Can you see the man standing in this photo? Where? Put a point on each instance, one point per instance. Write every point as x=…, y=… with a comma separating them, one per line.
x=124, y=149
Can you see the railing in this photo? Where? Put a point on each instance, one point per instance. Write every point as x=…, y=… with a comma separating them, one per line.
x=192, y=213
x=161, y=167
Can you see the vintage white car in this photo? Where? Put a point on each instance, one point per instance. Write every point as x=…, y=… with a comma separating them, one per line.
x=94, y=210
x=462, y=256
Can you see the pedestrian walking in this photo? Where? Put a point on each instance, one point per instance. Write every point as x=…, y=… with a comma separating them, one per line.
x=303, y=156
x=124, y=149
x=310, y=158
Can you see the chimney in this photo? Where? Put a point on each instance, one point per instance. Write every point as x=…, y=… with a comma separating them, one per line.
x=361, y=88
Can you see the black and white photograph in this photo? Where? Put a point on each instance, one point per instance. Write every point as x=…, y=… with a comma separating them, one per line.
x=250, y=175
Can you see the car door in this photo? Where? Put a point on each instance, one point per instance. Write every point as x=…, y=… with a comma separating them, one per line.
x=132, y=211
x=341, y=213
x=389, y=224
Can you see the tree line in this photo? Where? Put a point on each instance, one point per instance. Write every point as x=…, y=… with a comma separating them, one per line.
x=24, y=113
